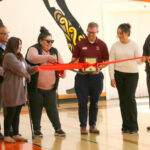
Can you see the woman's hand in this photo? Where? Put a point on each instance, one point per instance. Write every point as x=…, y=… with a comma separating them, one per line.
x=113, y=83
x=29, y=79
x=52, y=59
x=99, y=68
x=143, y=59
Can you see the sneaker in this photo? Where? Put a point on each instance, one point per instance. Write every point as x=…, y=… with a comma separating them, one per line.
x=132, y=132
x=9, y=139
x=125, y=131
x=60, y=132
x=38, y=133
x=148, y=128
x=19, y=138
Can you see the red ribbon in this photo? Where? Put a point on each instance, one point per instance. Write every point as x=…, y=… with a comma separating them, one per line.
x=62, y=66
x=70, y=66
x=117, y=61
x=60, y=72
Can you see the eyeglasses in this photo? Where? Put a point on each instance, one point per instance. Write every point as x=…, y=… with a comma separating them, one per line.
x=49, y=41
x=91, y=32
x=4, y=33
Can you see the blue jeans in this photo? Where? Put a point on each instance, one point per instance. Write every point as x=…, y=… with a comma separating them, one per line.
x=88, y=85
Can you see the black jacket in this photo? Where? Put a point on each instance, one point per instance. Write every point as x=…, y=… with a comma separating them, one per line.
x=32, y=86
x=1, y=57
x=146, y=51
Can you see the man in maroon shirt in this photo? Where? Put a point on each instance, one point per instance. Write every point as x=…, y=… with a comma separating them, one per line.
x=89, y=82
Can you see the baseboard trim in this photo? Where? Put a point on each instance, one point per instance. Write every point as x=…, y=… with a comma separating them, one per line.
x=73, y=96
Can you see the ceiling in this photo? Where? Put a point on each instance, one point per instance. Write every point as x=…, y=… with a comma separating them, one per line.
x=122, y=1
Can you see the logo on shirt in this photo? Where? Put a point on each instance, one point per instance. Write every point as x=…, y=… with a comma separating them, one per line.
x=97, y=48
x=84, y=48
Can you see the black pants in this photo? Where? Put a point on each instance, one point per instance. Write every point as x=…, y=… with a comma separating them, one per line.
x=47, y=99
x=11, y=119
x=1, y=102
x=126, y=86
x=2, y=106
x=88, y=85
x=148, y=83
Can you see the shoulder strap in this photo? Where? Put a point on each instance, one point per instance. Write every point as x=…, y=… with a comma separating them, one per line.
x=53, y=51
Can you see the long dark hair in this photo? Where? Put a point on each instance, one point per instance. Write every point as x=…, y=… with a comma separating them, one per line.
x=12, y=47
x=43, y=33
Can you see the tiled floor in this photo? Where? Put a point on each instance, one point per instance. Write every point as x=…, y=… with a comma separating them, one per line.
x=109, y=123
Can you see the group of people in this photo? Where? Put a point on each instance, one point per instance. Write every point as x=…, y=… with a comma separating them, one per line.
x=124, y=76
x=20, y=76
x=23, y=81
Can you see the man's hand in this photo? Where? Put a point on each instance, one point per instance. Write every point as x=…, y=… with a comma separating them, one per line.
x=74, y=60
x=148, y=59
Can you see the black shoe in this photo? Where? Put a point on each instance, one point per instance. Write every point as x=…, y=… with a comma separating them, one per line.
x=1, y=136
x=38, y=133
x=125, y=131
x=133, y=132
x=60, y=133
x=148, y=128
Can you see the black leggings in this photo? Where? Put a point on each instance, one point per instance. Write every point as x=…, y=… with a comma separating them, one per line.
x=47, y=99
x=11, y=118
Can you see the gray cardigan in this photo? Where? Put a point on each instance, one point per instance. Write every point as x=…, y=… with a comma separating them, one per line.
x=13, y=91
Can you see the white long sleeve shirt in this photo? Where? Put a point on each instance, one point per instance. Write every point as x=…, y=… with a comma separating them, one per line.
x=120, y=51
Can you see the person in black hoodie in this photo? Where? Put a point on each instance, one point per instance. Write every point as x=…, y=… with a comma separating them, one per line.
x=146, y=52
x=3, y=40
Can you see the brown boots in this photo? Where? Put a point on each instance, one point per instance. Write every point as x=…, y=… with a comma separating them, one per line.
x=92, y=129
x=84, y=131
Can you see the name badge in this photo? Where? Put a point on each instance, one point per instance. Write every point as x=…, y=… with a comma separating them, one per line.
x=84, y=48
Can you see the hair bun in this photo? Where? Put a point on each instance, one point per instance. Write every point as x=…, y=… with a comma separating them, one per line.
x=44, y=30
x=128, y=25
x=43, y=33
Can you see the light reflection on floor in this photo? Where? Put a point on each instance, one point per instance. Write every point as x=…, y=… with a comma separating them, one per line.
x=109, y=122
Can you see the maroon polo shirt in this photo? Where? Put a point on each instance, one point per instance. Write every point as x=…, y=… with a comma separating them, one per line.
x=85, y=49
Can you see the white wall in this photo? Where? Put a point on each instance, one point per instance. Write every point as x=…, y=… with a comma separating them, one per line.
x=137, y=15
x=24, y=18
